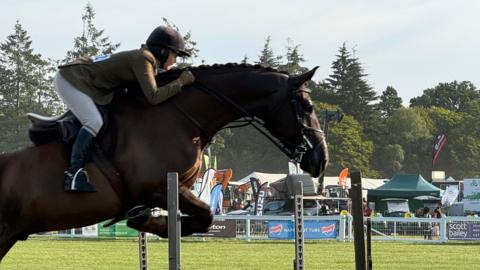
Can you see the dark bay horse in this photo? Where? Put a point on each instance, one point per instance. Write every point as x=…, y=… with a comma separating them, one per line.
x=154, y=140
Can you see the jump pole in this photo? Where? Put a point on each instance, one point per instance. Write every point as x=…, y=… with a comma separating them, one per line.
x=174, y=232
x=357, y=213
x=298, y=263
x=369, y=244
x=142, y=250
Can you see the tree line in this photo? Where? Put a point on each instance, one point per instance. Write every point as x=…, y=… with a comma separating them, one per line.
x=377, y=134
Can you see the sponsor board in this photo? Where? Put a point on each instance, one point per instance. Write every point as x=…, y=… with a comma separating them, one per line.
x=463, y=230
x=225, y=228
x=90, y=230
x=471, y=195
x=285, y=229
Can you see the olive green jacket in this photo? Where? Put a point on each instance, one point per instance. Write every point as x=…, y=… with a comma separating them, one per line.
x=101, y=77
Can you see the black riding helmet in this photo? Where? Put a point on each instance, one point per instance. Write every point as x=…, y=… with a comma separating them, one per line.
x=168, y=38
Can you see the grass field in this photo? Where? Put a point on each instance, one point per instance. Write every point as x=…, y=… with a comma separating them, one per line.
x=235, y=254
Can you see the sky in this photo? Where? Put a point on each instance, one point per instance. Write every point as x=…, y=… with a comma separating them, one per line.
x=410, y=45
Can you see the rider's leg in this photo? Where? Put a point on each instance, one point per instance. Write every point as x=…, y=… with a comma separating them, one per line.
x=83, y=107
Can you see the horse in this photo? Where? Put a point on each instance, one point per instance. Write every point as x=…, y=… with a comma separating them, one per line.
x=153, y=140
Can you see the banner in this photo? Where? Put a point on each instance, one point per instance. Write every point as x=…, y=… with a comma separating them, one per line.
x=260, y=200
x=225, y=228
x=284, y=229
x=90, y=230
x=440, y=140
x=450, y=195
x=216, y=199
x=206, y=186
x=471, y=195
x=463, y=230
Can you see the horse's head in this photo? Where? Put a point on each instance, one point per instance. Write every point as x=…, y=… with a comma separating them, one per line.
x=293, y=121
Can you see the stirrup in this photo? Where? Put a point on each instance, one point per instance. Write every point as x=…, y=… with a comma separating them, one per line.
x=78, y=182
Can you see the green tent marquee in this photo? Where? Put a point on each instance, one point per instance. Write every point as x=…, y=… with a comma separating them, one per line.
x=403, y=186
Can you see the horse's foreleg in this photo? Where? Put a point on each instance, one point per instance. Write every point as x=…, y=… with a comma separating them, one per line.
x=7, y=239
x=198, y=220
x=199, y=216
x=5, y=246
x=141, y=219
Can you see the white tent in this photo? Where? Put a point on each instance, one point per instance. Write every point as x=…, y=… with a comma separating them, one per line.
x=262, y=177
x=367, y=183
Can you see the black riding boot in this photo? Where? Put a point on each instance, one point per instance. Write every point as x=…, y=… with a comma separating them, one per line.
x=76, y=178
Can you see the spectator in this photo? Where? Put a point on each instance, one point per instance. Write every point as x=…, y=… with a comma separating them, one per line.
x=437, y=213
x=427, y=226
x=324, y=209
x=436, y=226
x=366, y=211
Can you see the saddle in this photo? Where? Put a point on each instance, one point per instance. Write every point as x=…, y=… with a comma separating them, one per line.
x=64, y=129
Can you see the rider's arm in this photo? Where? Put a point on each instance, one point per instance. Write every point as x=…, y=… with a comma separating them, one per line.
x=145, y=74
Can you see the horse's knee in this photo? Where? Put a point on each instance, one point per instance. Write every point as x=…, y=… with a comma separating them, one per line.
x=141, y=219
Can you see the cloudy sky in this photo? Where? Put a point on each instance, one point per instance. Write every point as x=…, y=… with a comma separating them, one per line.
x=410, y=45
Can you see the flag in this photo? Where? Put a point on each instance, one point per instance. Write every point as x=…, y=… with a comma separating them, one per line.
x=260, y=199
x=206, y=186
x=342, y=178
x=440, y=140
x=216, y=199
x=450, y=195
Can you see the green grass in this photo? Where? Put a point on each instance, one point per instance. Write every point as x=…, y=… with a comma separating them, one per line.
x=235, y=254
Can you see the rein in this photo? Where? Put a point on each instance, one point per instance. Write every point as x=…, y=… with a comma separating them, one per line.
x=249, y=119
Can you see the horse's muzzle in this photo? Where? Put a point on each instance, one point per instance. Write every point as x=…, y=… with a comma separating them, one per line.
x=315, y=161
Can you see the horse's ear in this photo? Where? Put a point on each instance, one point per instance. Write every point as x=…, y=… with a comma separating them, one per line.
x=303, y=78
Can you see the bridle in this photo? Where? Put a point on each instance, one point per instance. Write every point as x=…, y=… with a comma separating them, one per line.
x=294, y=151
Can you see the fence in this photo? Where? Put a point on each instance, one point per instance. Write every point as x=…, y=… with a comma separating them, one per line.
x=320, y=227
x=383, y=228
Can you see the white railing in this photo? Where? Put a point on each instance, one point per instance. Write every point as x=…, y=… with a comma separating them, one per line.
x=383, y=228
x=250, y=227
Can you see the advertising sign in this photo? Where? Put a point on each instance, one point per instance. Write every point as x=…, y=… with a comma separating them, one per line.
x=471, y=199
x=463, y=230
x=122, y=230
x=450, y=195
x=284, y=229
x=281, y=229
x=90, y=230
x=219, y=228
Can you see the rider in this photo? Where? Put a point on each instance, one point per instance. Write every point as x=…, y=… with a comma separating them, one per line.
x=85, y=82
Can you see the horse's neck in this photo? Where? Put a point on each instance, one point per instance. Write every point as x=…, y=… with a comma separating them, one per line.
x=246, y=89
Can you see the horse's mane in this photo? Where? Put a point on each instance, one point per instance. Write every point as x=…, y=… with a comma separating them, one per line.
x=202, y=71
x=205, y=70
x=231, y=66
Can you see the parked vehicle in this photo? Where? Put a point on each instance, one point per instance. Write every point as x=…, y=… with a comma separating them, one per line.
x=336, y=197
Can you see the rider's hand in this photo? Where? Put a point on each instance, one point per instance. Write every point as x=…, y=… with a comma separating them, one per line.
x=186, y=78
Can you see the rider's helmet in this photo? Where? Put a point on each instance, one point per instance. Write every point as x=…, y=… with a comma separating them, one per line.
x=167, y=38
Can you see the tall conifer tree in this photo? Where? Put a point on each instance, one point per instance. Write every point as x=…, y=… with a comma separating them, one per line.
x=26, y=86
x=267, y=57
x=347, y=82
x=92, y=41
